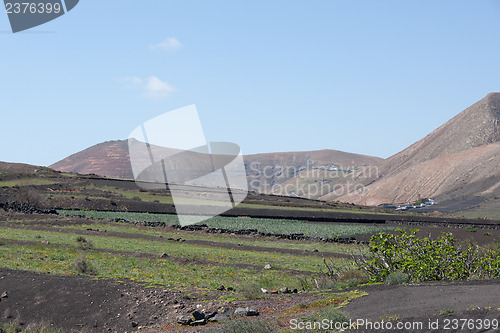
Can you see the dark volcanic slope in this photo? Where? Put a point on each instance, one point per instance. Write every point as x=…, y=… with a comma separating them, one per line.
x=462, y=156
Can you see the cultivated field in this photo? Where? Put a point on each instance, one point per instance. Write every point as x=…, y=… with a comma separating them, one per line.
x=87, y=254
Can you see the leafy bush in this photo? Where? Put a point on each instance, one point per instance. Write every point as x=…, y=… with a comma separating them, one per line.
x=423, y=259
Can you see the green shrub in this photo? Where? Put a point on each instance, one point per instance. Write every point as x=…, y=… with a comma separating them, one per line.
x=423, y=259
x=396, y=278
x=470, y=229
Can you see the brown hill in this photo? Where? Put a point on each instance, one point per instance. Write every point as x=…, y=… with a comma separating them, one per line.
x=108, y=159
x=460, y=158
x=111, y=159
x=307, y=174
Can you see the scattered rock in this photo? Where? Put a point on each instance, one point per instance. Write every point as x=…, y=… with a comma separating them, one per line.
x=134, y=324
x=198, y=315
x=221, y=288
x=45, y=242
x=4, y=295
x=230, y=289
x=184, y=320
x=211, y=315
x=164, y=255
x=198, y=322
x=267, y=266
x=221, y=315
x=285, y=290
x=240, y=312
x=273, y=291
x=264, y=291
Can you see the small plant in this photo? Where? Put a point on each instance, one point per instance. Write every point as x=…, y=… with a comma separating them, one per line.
x=470, y=229
x=487, y=233
x=84, y=244
x=246, y=325
x=81, y=239
x=397, y=278
x=251, y=291
x=82, y=266
x=343, y=276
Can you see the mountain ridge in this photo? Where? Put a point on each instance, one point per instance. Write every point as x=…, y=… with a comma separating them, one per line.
x=463, y=152
x=264, y=171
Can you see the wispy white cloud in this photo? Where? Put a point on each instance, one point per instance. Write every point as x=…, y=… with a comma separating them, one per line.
x=169, y=44
x=156, y=88
x=151, y=87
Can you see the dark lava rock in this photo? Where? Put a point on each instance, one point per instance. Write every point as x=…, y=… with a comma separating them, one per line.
x=198, y=315
x=222, y=315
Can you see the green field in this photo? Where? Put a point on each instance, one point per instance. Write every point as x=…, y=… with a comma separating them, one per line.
x=274, y=226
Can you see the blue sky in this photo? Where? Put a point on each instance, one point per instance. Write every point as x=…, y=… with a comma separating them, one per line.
x=368, y=77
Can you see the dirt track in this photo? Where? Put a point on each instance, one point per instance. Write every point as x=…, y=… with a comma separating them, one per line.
x=421, y=303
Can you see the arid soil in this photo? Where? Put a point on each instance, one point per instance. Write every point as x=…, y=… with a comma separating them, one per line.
x=81, y=304
x=429, y=302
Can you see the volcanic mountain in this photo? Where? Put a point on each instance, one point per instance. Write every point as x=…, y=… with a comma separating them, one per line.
x=264, y=171
x=459, y=160
x=108, y=159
